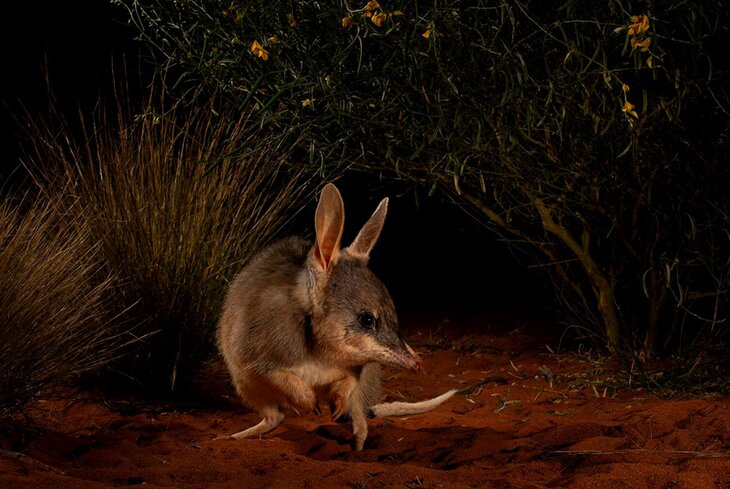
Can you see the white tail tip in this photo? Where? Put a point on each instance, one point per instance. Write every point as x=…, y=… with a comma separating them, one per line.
x=408, y=408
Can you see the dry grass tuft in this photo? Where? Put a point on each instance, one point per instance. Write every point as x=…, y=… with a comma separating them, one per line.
x=53, y=322
x=176, y=203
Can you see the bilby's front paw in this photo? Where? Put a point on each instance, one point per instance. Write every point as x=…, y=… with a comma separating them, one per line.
x=338, y=405
x=339, y=395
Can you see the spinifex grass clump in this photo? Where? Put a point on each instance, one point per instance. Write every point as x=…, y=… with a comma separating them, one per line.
x=171, y=232
x=592, y=135
x=53, y=321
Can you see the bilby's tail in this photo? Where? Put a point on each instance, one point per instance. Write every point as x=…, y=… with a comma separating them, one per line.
x=407, y=408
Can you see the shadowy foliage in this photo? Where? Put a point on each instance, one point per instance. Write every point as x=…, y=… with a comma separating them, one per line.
x=53, y=321
x=171, y=232
x=591, y=135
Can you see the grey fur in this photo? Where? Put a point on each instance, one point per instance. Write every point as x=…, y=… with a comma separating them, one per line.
x=292, y=334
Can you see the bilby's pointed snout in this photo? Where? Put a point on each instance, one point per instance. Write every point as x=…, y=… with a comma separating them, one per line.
x=403, y=356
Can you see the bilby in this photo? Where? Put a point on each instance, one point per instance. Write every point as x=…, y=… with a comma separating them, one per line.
x=307, y=322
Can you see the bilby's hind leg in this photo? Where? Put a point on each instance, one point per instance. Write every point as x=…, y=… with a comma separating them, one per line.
x=296, y=392
x=272, y=418
x=267, y=393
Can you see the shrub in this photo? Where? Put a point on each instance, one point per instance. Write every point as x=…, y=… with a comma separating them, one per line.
x=53, y=322
x=171, y=231
x=591, y=135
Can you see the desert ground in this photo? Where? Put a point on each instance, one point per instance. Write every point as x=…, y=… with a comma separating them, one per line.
x=529, y=416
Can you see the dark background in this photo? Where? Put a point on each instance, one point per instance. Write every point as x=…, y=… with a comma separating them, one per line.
x=432, y=256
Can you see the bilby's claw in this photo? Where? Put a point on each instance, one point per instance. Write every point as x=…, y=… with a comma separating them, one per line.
x=337, y=406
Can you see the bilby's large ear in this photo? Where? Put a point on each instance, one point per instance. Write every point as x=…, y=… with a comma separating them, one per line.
x=369, y=233
x=328, y=222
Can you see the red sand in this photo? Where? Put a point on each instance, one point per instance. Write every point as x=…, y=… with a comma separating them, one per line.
x=517, y=430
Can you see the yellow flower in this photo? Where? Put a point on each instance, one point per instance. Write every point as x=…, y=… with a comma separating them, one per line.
x=292, y=20
x=640, y=23
x=378, y=19
x=628, y=108
x=644, y=45
x=307, y=102
x=625, y=88
x=258, y=50
x=348, y=21
x=427, y=33
x=372, y=5
x=650, y=62
x=273, y=40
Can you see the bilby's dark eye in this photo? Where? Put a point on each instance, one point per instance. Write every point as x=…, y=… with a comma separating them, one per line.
x=367, y=320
